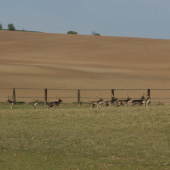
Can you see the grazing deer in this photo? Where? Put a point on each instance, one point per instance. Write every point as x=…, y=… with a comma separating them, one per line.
x=140, y=102
x=124, y=102
x=35, y=102
x=110, y=102
x=11, y=102
x=56, y=103
x=97, y=103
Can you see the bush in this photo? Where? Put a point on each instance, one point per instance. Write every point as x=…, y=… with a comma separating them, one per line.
x=11, y=27
x=71, y=32
x=97, y=34
x=94, y=33
x=0, y=26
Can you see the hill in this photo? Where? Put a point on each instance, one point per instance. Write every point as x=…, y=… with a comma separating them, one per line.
x=30, y=59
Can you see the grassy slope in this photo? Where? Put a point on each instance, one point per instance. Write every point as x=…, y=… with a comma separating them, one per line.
x=82, y=138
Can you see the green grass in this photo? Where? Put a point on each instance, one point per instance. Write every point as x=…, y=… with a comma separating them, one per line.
x=73, y=137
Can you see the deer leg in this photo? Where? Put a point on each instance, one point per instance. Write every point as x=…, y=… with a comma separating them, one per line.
x=112, y=104
x=92, y=106
x=106, y=104
x=49, y=106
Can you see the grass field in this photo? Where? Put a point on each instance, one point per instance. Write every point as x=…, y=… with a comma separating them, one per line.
x=79, y=138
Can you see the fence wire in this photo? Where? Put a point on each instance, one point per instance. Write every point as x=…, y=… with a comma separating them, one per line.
x=158, y=96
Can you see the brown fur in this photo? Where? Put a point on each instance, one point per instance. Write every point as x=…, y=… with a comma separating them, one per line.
x=147, y=101
x=35, y=104
x=12, y=103
x=124, y=102
x=140, y=102
x=111, y=102
x=97, y=103
x=51, y=104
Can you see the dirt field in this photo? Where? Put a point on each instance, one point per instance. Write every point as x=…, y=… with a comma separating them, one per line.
x=42, y=60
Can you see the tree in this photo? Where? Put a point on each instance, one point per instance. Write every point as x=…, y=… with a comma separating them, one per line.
x=94, y=33
x=11, y=27
x=71, y=32
x=0, y=26
x=97, y=34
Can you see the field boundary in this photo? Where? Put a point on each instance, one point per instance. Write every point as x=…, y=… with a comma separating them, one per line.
x=75, y=95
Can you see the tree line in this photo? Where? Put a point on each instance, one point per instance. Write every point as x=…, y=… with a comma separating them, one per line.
x=12, y=28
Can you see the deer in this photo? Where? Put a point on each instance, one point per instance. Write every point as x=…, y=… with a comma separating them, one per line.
x=124, y=102
x=140, y=101
x=12, y=103
x=35, y=102
x=97, y=103
x=147, y=101
x=111, y=102
x=56, y=103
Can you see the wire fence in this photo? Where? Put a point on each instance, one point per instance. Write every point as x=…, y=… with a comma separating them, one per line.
x=158, y=96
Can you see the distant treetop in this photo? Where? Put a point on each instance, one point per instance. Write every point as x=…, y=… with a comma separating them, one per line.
x=94, y=33
x=72, y=32
x=11, y=27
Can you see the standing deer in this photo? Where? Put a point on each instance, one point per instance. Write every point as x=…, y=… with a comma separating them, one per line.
x=147, y=101
x=97, y=103
x=140, y=102
x=124, y=102
x=35, y=102
x=110, y=102
x=12, y=103
x=56, y=103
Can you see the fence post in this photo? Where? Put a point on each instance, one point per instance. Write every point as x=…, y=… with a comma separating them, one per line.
x=14, y=95
x=112, y=94
x=45, y=97
x=78, y=97
x=148, y=92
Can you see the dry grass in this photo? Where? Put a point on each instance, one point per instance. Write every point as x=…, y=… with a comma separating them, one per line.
x=81, y=138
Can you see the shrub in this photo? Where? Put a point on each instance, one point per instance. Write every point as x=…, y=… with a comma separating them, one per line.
x=71, y=32
x=94, y=33
x=0, y=26
x=97, y=34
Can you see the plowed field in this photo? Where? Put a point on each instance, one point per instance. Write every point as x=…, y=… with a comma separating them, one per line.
x=39, y=60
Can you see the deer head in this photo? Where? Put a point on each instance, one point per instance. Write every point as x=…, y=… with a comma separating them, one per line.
x=59, y=100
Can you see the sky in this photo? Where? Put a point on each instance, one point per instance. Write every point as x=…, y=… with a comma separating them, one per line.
x=123, y=18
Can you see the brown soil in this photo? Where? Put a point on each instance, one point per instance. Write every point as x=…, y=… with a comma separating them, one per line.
x=42, y=60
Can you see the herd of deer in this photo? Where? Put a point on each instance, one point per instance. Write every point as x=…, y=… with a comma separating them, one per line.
x=98, y=103
x=35, y=102
x=143, y=100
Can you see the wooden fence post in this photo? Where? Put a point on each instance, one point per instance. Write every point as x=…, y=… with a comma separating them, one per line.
x=148, y=92
x=45, y=97
x=14, y=95
x=78, y=97
x=112, y=94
